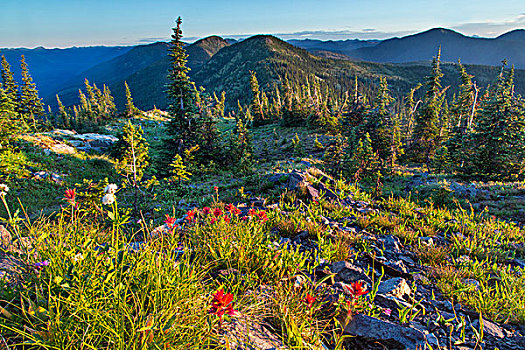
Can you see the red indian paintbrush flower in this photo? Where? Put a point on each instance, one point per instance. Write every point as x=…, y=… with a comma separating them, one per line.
x=217, y=212
x=226, y=219
x=170, y=221
x=252, y=212
x=190, y=215
x=309, y=300
x=233, y=209
x=222, y=304
x=69, y=195
x=213, y=220
x=206, y=211
x=262, y=216
x=356, y=289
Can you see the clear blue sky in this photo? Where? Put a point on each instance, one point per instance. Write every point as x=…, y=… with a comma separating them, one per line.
x=64, y=23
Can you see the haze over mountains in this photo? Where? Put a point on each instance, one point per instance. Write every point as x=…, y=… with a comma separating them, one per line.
x=220, y=64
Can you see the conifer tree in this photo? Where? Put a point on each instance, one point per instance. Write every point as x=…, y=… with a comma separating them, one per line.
x=178, y=170
x=131, y=110
x=62, y=113
x=380, y=125
x=132, y=155
x=30, y=105
x=8, y=81
x=10, y=123
x=181, y=94
x=427, y=128
x=256, y=107
x=499, y=137
x=131, y=150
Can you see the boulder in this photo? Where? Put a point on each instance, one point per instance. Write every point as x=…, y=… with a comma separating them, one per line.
x=388, y=334
x=244, y=333
x=396, y=287
x=347, y=272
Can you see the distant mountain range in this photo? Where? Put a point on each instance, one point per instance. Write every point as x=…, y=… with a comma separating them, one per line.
x=224, y=64
x=454, y=46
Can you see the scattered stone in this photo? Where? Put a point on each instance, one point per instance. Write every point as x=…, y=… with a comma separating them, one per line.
x=388, y=334
x=244, y=333
x=348, y=273
x=471, y=282
x=396, y=287
x=490, y=328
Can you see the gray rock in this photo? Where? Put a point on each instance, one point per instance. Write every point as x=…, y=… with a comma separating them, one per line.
x=390, y=243
x=243, y=333
x=348, y=273
x=388, y=334
x=396, y=287
x=490, y=328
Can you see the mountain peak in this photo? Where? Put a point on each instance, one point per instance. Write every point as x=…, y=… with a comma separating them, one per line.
x=516, y=35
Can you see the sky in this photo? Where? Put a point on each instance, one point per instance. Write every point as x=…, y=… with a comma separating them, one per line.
x=66, y=23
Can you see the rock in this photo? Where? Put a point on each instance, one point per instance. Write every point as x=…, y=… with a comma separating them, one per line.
x=5, y=237
x=311, y=192
x=490, y=328
x=396, y=287
x=62, y=148
x=306, y=163
x=348, y=273
x=243, y=333
x=388, y=334
x=390, y=243
x=301, y=236
x=471, y=282
x=390, y=302
x=42, y=175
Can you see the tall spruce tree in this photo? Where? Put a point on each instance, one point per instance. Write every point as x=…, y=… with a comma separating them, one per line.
x=427, y=128
x=256, y=107
x=8, y=81
x=30, y=105
x=181, y=93
x=499, y=136
x=10, y=123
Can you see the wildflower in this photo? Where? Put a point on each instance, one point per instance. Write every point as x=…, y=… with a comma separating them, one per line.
x=216, y=189
x=41, y=265
x=252, y=212
x=356, y=289
x=217, y=212
x=262, y=216
x=78, y=257
x=226, y=219
x=309, y=300
x=244, y=218
x=170, y=221
x=190, y=215
x=3, y=189
x=233, y=209
x=206, y=211
x=387, y=311
x=111, y=188
x=108, y=199
x=69, y=195
x=213, y=220
x=222, y=304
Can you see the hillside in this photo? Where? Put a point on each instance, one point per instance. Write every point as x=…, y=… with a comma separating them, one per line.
x=145, y=69
x=516, y=35
x=273, y=58
x=423, y=46
x=51, y=68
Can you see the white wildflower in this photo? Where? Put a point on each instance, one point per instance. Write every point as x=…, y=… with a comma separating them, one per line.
x=108, y=199
x=78, y=257
x=111, y=188
x=3, y=189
